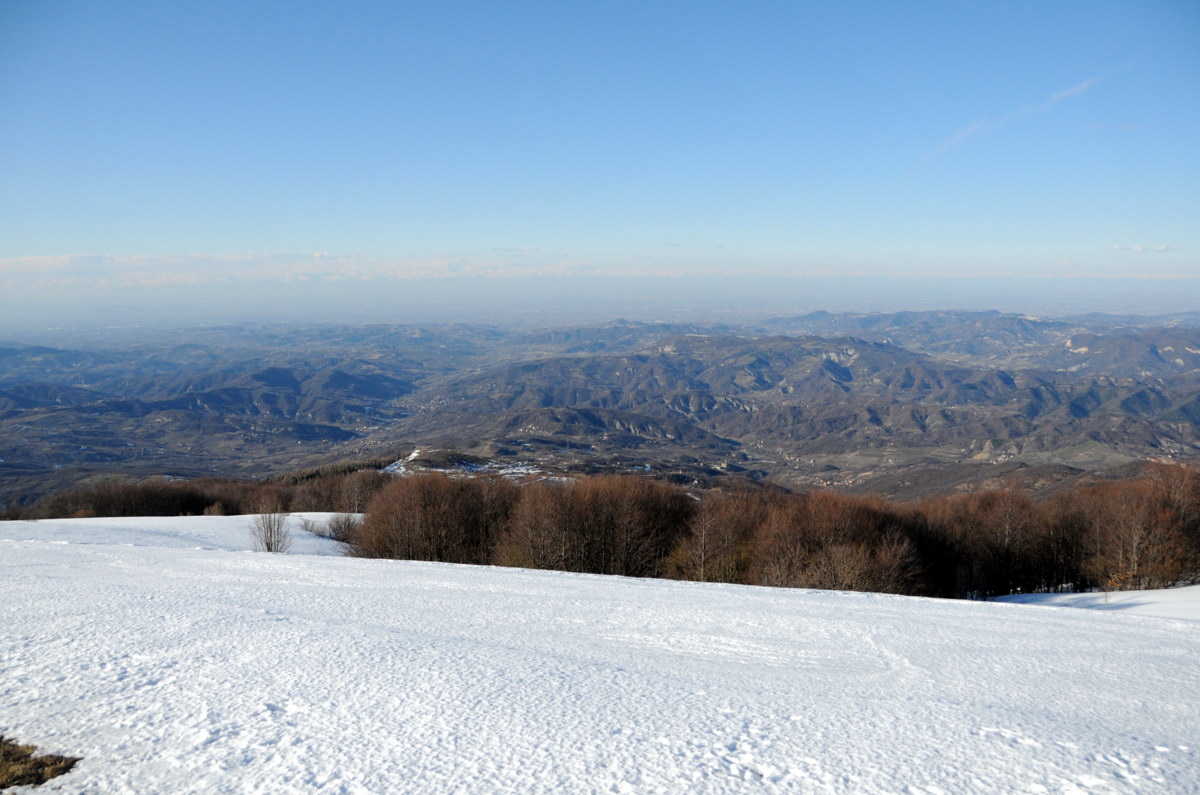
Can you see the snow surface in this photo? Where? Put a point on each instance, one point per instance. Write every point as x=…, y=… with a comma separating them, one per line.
x=172, y=659
x=1181, y=603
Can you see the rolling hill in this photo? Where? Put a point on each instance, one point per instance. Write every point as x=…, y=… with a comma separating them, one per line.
x=902, y=403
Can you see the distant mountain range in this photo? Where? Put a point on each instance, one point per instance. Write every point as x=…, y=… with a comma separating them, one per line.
x=904, y=403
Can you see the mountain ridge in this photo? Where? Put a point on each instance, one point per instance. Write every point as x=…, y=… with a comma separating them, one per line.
x=853, y=400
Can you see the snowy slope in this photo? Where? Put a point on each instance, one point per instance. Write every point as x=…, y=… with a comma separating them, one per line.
x=174, y=661
x=1179, y=603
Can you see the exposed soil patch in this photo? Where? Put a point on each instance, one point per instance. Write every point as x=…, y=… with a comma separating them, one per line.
x=19, y=767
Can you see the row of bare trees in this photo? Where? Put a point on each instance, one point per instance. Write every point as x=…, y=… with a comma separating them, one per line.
x=1139, y=533
x=603, y=525
x=346, y=492
x=1127, y=534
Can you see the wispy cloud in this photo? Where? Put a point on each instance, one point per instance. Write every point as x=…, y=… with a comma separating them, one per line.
x=1161, y=248
x=955, y=140
x=103, y=271
x=983, y=126
x=1164, y=276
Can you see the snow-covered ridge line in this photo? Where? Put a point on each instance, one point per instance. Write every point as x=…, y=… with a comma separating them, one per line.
x=174, y=660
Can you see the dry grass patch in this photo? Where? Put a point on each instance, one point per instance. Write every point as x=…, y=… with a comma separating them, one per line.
x=19, y=767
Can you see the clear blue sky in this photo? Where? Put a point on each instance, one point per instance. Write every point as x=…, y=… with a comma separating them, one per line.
x=181, y=148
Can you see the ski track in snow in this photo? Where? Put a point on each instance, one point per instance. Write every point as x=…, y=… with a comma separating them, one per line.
x=173, y=660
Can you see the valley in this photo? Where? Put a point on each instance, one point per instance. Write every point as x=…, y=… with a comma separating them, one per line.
x=900, y=404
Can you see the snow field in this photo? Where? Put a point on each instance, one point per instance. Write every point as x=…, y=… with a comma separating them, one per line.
x=173, y=660
x=1178, y=603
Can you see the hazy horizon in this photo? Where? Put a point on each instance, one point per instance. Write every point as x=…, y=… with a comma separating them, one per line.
x=248, y=161
x=591, y=300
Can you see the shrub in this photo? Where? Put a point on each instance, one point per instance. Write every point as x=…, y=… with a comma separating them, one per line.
x=269, y=529
x=342, y=527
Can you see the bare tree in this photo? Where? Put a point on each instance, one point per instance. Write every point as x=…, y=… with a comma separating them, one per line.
x=539, y=535
x=435, y=517
x=782, y=546
x=718, y=543
x=840, y=567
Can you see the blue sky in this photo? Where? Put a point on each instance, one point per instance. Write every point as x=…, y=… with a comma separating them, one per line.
x=185, y=153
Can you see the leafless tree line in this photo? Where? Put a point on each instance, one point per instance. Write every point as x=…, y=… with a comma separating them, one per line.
x=1138, y=533
x=342, y=491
